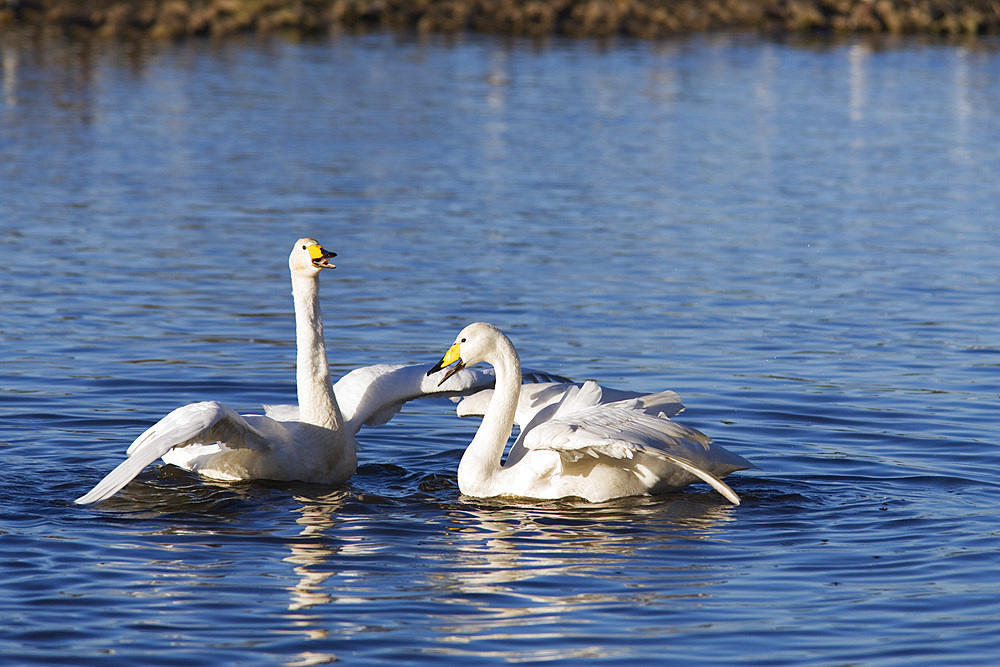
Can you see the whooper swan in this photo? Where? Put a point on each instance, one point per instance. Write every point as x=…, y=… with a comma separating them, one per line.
x=312, y=442
x=573, y=441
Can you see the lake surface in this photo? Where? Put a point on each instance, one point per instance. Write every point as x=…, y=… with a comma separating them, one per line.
x=802, y=240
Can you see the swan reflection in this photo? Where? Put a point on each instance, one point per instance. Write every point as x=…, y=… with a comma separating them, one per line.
x=316, y=517
x=312, y=556
x=501, y=571
x=495, y=544
x=515, y=573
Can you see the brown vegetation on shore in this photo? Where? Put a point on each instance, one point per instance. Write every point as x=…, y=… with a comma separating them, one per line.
x=582, y=18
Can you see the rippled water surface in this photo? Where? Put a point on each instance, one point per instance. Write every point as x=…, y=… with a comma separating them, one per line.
x=801, y=240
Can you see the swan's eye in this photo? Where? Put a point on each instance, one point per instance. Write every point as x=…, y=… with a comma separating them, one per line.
x=303, y=247
x=462, y=341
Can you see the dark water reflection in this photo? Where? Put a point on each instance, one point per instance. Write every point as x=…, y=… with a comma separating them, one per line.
x=799, y=239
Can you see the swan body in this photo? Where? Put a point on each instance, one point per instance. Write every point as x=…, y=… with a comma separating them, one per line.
x=311, y=442
x=576, y=440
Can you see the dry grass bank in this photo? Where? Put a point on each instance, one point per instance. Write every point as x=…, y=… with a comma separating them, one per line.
x=167, y=19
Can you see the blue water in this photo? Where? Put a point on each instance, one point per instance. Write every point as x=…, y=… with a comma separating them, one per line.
x=803, y=240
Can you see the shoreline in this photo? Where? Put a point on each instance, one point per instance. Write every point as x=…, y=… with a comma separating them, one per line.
x=644, y=19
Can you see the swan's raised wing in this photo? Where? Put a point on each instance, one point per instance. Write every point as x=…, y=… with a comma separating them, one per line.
x=205, y=422
x=540, y=402
x=372, y=395
x=621, y=431
x=282, y=413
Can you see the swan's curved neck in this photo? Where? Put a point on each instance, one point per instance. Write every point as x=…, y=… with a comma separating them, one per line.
x=317, y=404
x=481, y=460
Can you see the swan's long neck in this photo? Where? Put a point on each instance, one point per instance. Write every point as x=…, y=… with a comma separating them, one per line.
x=317, y=404
x=481, y=461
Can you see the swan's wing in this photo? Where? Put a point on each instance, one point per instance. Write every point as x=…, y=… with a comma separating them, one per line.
x=620, y=431
x=534, y=376
x=540, y=403
x=616, y=430
x=198, y=422
x=372, y=395
x=533, y=399
x=282, y=413
x=664, y=404
x=547, y=398
x=578, y=396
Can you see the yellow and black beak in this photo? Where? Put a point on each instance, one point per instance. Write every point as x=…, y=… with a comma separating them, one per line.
x=320, y=257
x=450, y=357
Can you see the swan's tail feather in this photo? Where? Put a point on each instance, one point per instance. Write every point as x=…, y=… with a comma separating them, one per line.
x=708, y=477
x=126, y=471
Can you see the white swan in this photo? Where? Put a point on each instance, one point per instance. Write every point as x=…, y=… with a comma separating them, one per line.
x=573, y=441
x=311, y=442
